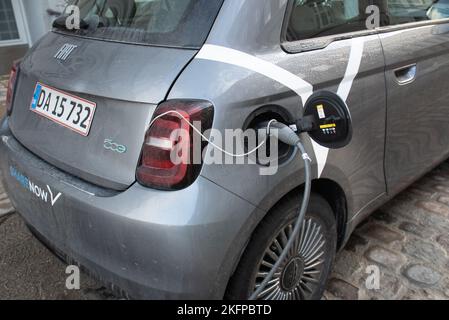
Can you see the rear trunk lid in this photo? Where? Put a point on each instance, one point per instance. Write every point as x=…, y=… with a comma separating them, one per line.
x=126, y=81
x=123, y=61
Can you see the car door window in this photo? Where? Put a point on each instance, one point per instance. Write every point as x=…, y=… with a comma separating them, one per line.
x=317, y=18
x=408, y=11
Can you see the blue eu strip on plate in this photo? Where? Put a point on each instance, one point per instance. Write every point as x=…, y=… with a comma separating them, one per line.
x=36, y=96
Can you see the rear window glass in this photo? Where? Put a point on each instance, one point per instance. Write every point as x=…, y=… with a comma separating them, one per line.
x=177, y=23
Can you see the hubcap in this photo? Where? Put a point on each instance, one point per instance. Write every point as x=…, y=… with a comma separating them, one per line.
x=298, y=277
x=292, y=274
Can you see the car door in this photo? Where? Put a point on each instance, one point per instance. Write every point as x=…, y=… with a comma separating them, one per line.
x=329, y=43
x=416, y=48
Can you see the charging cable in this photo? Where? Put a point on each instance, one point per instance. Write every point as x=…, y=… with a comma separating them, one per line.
x=288, y=136
x=210, y=142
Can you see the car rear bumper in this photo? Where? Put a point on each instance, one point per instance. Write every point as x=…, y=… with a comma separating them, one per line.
x=151, y=244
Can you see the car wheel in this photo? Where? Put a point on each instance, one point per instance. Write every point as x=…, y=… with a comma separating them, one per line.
x=304, y=273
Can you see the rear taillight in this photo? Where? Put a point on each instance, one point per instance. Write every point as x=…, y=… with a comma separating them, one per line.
x=171, y=154
x=11, y=88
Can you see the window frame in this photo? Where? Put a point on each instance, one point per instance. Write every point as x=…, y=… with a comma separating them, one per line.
x=22, y=26
x=322, y=42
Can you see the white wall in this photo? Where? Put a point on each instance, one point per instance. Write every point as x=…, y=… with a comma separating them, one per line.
x=38, y=20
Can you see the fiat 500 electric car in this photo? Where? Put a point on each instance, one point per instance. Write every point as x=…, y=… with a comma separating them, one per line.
x=95, y=182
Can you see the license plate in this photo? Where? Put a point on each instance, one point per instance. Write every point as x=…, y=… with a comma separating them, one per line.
x=63, y=108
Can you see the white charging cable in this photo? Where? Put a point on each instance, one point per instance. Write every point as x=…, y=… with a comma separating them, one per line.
x=210, y=142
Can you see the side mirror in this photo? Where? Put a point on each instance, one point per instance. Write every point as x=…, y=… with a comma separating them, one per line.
x=332, y=123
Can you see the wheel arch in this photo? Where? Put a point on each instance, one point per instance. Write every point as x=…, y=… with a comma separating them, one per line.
x=334, y=194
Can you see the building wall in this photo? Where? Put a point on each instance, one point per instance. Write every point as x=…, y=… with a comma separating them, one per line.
x=38, y=17
x=33, y=19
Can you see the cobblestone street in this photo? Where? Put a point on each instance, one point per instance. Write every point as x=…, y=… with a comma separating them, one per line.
x=3, y=88
x=407, y=239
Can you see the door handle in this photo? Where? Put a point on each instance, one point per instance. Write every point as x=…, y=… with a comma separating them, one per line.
x=406, y=75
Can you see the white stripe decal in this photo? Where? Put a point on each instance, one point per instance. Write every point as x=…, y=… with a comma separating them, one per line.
x=355, y=60
x=288, y=79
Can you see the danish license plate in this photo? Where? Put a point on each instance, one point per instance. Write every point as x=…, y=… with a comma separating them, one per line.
x=65, y=109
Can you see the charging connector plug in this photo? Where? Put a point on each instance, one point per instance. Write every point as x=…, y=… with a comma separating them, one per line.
x=285, y=134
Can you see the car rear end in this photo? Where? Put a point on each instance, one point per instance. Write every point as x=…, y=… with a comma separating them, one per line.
x=88, y=174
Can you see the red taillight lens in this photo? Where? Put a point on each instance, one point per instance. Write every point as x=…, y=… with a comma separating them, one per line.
x=168, y=159
x=11, y=87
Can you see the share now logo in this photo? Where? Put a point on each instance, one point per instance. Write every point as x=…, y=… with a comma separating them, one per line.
x=44, y=194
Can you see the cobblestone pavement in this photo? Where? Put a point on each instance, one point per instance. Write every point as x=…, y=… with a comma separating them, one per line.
x=407, y=240
x=3, y=88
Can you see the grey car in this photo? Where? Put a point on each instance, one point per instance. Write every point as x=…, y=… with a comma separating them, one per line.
x=92, y=178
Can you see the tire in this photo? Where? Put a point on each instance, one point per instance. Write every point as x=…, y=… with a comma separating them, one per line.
x=304, y=274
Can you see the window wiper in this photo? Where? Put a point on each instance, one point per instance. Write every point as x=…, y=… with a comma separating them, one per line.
x=60, y=23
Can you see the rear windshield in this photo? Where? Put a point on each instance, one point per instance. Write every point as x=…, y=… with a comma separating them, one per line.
x=176, y=23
